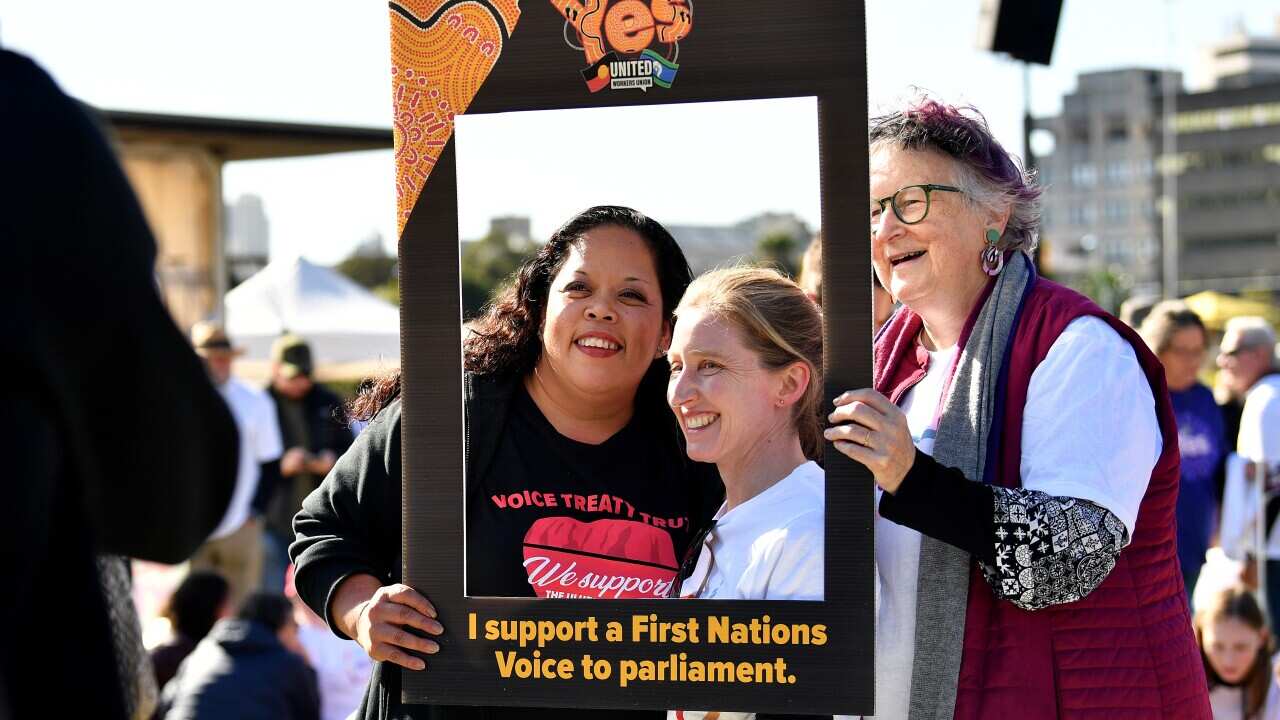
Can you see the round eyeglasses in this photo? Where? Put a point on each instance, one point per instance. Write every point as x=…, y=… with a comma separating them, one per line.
x=910, y=204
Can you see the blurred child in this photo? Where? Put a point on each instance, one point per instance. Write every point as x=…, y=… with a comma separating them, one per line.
x=1236, y=648
x=250, y=667
x=199, y=601
x=342, y=667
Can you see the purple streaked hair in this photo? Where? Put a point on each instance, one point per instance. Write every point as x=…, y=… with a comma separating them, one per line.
x=991, y=177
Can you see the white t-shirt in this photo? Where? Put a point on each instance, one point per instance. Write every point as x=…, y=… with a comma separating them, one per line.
x=1089, y=430
x=1227, y=703
x=1259, y=439
x=769, y=547
x=342, y=670
x=259, y=428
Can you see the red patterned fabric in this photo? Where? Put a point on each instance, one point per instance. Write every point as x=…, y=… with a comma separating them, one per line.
x=1126, y=650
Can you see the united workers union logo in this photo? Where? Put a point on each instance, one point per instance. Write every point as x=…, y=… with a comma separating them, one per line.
x=629, y=44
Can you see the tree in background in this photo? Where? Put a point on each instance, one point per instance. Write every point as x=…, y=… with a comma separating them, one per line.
x=369, y=265
x=389, y=291
x=1106, y=287
x=486, y=265
x=780, y=251
x=372, y=267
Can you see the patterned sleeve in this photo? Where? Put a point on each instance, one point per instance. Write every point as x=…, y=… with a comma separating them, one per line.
x=1035, y=549
x=1050, y=550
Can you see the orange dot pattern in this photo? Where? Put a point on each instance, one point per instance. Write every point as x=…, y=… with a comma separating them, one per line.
x=436, y=71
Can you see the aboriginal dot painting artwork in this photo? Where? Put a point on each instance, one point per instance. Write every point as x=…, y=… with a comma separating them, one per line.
x=441, y=53
x=629, y=44
x=583, y=92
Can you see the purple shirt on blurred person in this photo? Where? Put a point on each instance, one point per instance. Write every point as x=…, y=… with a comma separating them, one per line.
x=1200, y=440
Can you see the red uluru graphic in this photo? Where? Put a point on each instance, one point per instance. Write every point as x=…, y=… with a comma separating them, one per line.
x=616, y=559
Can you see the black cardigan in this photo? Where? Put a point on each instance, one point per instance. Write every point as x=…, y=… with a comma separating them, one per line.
x=352, y=524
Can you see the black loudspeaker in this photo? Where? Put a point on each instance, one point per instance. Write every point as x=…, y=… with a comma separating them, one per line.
x=1025, y=29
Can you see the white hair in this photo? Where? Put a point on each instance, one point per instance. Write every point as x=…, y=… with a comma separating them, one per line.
x=1022, y=231
x=1252, y=331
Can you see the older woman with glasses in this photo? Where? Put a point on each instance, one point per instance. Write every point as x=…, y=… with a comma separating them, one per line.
x=1025, y=454
x=1177, y=336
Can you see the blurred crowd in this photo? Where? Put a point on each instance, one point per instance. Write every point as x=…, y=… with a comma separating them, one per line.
x=98, y=469
x=1224, y=386
x=1227, y=405
x=232, y=639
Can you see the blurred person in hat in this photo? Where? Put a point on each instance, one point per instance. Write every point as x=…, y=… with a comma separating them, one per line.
x=1247, y=365
x=234, y=549
x=313, y=427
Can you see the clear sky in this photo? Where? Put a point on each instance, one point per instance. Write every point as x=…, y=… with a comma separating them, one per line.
x=735, y=160
x=330, y=65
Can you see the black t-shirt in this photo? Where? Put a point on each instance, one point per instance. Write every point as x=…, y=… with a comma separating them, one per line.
x=553, y=517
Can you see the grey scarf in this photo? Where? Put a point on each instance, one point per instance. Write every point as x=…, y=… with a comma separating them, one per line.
x=964, y=428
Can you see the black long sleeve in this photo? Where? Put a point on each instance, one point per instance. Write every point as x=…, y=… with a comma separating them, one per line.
x=942, y=503
x=1035, y=549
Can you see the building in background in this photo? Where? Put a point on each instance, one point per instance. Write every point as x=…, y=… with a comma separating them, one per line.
x=1103, y=209
x=174, y=163
x=1243, y=61
x=705, y=246
x=710, y=246
x=371, y=246
x=1228, y=165
x=515, y=227
x=1100, y=207
x=248, y=234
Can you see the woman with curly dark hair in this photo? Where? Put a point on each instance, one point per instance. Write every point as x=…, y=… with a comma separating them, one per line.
x=571, y=455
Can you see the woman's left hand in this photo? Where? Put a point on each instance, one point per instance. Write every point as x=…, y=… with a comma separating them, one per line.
x=873, y=431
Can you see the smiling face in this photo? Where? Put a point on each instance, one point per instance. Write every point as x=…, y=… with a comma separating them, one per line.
x=604, y=317
x=726, y=401
x=1232, y=647
x=935, y=262
x=1241, y=363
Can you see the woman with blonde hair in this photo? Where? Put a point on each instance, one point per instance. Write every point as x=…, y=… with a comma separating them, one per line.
x=745, y=386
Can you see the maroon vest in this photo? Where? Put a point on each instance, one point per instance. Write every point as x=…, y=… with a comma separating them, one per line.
x=1125, y=651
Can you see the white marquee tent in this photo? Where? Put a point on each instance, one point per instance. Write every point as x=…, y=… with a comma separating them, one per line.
x=343, y=322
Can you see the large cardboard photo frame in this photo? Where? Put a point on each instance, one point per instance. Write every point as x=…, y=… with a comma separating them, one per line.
x=488, y=56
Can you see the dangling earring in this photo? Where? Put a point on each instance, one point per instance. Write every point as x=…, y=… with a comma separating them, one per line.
x=992, y=256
